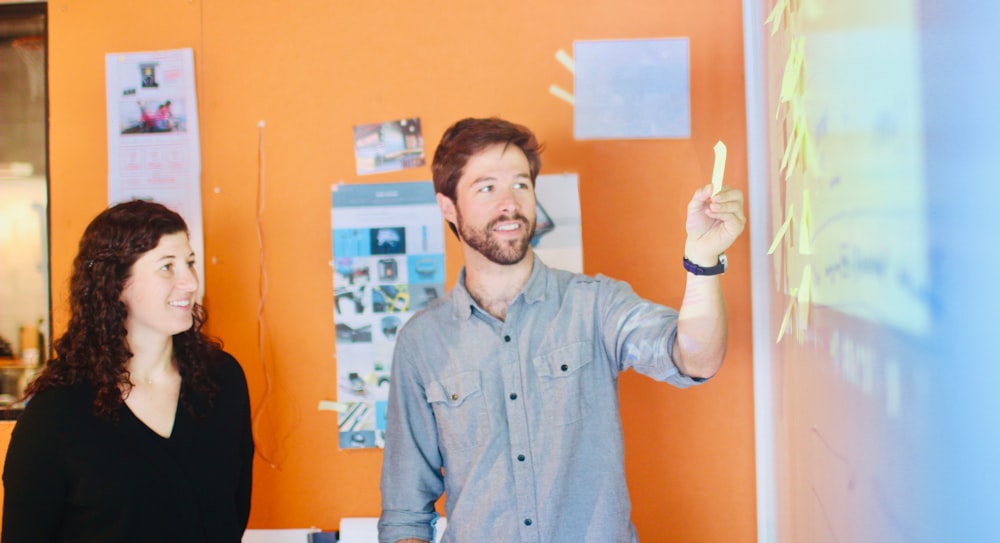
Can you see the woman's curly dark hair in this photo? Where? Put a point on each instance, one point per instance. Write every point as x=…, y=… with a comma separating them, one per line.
x=94, y=349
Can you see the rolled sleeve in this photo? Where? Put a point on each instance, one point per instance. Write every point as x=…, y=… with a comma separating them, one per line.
x=412, y=480
x=641, y=334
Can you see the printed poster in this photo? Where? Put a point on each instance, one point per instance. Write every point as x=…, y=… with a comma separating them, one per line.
x=388, y=263
x=558, y=236
x=153, y=144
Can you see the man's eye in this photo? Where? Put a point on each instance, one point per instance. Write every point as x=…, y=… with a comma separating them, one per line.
x=486, y=188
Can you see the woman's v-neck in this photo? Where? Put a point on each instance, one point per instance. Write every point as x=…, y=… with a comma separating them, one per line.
x=152, y=432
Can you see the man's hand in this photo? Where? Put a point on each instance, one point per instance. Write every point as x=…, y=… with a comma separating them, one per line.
x=713, y=224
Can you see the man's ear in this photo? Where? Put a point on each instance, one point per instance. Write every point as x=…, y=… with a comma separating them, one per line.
x=447, y=208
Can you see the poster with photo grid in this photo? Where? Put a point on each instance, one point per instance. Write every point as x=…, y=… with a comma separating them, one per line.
x=388, y=263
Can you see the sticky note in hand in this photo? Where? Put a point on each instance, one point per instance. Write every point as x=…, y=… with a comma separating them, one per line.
x=720, y=167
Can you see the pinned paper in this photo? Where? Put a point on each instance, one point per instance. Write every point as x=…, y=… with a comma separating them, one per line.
x=719, y=168
x=632, y=88
x=805, y=225
x=784, y=229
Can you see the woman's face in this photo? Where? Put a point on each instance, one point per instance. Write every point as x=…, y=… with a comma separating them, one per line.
x=160, y=291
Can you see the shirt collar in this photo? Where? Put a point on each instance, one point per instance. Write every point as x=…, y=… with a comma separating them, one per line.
x=533, y=291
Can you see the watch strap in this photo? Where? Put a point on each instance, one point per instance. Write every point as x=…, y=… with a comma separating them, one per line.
x=711, y=270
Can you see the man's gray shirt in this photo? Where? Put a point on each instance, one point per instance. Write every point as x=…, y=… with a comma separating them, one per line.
x=517, y=421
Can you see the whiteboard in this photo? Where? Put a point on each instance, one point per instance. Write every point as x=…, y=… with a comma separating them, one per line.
x=873, y=125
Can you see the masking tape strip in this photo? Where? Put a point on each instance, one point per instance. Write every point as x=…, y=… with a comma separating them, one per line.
x=562, y=94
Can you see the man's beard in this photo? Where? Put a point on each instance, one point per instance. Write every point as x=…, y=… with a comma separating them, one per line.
x=500, y=252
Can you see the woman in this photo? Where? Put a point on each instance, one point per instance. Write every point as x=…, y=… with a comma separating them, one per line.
x=139, y=429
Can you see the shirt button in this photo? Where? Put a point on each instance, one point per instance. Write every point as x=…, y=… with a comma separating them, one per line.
x=513, y=395
x=507, y=339
x=564, y=367
x=527, y=522
x=454, y=397
x=520, y=458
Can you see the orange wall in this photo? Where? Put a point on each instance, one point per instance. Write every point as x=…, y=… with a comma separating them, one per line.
x=312, y=69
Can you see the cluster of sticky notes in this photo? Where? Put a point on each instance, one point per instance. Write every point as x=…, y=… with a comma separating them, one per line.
x=799, y=156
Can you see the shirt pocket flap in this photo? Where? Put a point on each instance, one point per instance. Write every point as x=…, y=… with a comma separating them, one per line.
x=453, y=390
x=564, y=361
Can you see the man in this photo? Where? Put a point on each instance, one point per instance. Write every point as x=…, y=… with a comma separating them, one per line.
x=505, y=391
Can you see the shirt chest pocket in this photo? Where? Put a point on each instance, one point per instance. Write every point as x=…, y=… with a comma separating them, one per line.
x=563, y=380
x=460, y=409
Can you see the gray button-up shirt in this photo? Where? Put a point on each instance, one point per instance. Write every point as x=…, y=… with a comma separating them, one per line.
x=517, y=421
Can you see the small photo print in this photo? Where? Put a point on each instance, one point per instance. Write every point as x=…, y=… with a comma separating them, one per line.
x=388, y=146
x=152, y=116
x=388, y=240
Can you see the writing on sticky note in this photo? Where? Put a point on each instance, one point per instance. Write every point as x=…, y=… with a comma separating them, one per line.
x=719, y=168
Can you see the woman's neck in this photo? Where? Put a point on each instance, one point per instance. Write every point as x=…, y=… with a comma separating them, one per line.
x=151, y=363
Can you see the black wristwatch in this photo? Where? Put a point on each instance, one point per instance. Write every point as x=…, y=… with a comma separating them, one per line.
x=717, y=269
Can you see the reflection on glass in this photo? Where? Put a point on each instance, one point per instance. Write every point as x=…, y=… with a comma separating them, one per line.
x=24, y=266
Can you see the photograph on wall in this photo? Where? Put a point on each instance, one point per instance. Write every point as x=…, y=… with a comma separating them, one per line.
x=388, y=146
x=153, y=142
x=153, y=116
x=388, y=263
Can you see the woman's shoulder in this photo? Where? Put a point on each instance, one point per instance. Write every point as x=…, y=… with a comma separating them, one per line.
x=60, y=396
x=58, y=406
x=228, y=369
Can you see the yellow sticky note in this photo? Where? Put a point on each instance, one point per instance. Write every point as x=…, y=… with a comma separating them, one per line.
x=782, y=230
x=791, y=80
x=805, y=285
x=805, y=225
x=720, y=167
x=774, y=19
x=809, y=163
x=789, y=146
x=327, y=405
x=784, y=320
x=793, y=148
